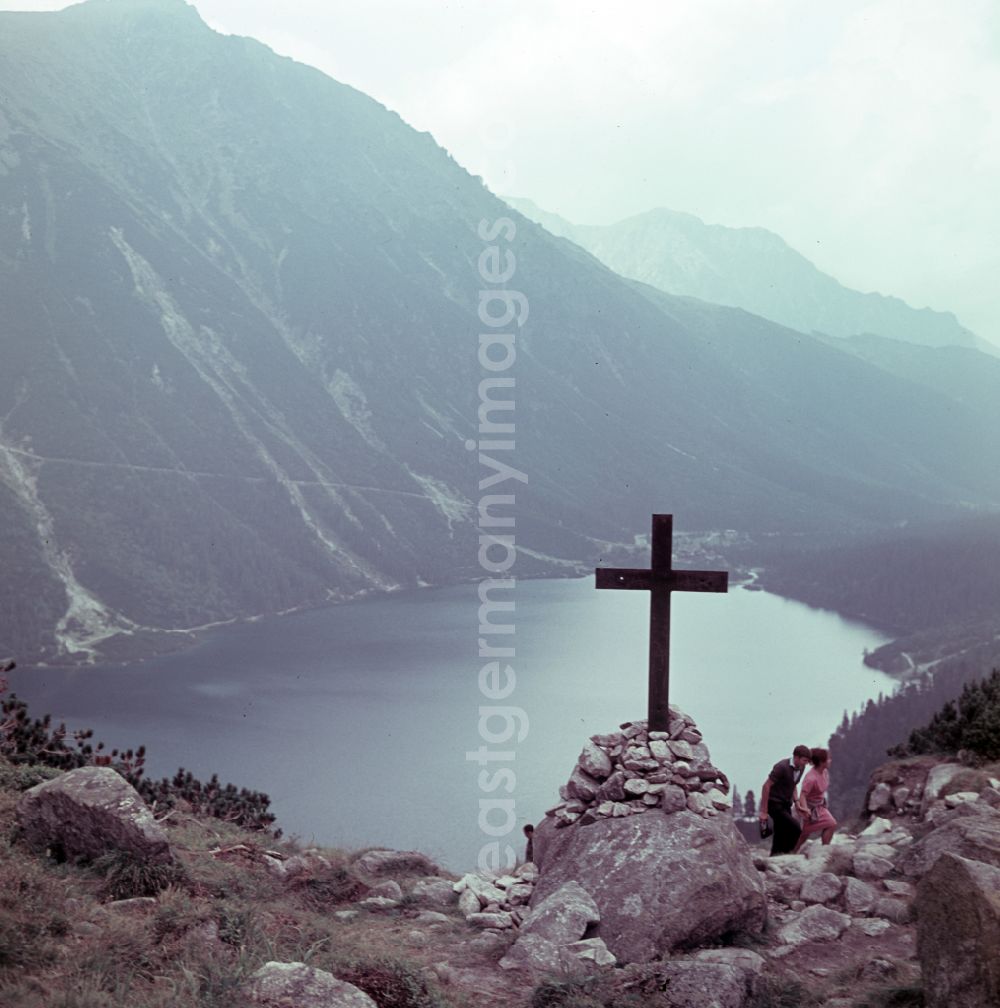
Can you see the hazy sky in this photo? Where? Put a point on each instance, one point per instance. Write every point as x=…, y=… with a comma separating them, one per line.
x=865, y=132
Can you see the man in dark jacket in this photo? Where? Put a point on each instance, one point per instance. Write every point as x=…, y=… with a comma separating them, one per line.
x=777, y=797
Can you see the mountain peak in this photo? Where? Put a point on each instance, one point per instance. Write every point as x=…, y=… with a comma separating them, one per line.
x=136, y=10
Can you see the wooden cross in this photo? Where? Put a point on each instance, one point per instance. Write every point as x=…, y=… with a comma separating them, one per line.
x=660, y=580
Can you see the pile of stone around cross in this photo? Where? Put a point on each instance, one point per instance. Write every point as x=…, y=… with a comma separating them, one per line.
x=633, y=770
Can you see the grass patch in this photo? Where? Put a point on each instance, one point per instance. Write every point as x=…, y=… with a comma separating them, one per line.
x=391, y=983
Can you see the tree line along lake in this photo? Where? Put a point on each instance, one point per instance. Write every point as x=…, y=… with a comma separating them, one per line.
x=366, y=724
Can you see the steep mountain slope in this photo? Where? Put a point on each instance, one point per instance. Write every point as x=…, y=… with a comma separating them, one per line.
x=749, y=268
x=239, y=340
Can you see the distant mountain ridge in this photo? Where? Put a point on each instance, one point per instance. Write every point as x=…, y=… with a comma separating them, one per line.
x=750, y=268
x=240, y=368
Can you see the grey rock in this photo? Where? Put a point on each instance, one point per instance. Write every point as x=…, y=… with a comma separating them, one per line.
x=696, y=983
x=378, y=903
x=699, y=803
x=594, y=761
x=581, y=785
x=432, y=918
x=391, y=889
x=592, y=950
x=899, y=888
x=673, y=799
x=533, y=952
x=745, y=958
x=880, y=798
x=295, y=985
x=823, y=887
x=500, y=920
x=608, y=741
x=391, y=862
x=563, y=915
x=958, y=933
x=307, y=862
x=957, y=798
x=720, y=799
x=89, y=812
x=900, y=796
x=519, y=894
x=636, y=788
x=483, y=888
x=613, y=789
x=939, y=777
x=682, y=750
x=877, y=970
x=659, y=882
x=892, y=908
x=871, y=865
x=971, y=831
x=859, y=896
x=468, y=902
x=815, y=923
x=990, y=795
x=872, y=927
x=433, y=891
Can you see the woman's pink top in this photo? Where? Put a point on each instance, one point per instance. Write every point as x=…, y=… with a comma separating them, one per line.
x=814, y=788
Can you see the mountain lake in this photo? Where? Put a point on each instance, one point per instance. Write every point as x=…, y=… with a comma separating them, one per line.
x=357, y=719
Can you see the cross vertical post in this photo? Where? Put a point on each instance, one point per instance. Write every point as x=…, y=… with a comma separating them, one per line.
x=660, y=580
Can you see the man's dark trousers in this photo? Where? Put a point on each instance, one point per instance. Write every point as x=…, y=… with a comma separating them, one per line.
x=786, y=828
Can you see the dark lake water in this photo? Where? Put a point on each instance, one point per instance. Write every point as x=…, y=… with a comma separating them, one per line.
x=357, y=719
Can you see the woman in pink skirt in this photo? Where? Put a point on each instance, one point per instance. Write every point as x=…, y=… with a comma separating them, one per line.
x=816, y=817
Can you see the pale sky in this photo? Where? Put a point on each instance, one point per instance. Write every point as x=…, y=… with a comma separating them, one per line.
x=864, y=132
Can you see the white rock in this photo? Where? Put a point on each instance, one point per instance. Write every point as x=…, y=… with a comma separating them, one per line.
x=636, y=787
x=960, y=798
x=720, y=799
x=468, y=903
x=659, y=750
x=872, y=927
x=876, y=826
x=592, y=950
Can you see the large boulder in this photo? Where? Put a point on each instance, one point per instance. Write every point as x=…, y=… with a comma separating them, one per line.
x=971, y=831
x=88, y=812
x=958, y=933
x=660, y=882
x=295, y=985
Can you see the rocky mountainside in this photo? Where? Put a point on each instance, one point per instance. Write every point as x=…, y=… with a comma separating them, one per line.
x=750, y=268
x=240, y=336
x=171, y=908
